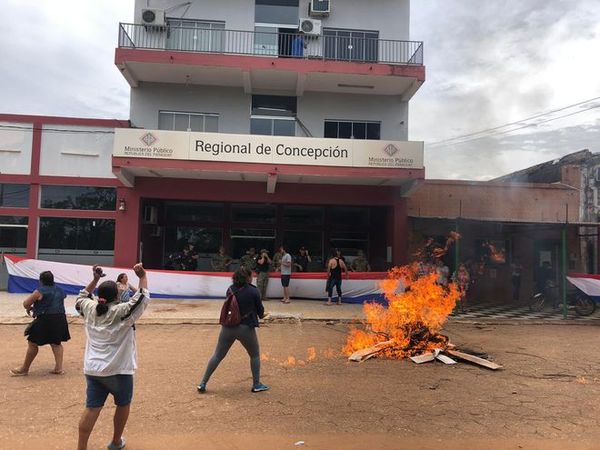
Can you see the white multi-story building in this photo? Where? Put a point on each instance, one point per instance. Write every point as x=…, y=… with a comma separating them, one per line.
x=252, y=123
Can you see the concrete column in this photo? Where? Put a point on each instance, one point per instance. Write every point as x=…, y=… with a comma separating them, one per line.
x=127, y=228
x=399, y=232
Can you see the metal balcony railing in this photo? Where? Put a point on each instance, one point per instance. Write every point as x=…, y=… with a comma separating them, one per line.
x=335, y=46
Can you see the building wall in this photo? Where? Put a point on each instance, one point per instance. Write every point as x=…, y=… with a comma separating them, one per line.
x=15, y=148
x=499, y=201
x=76, y=151
x=237, y=14
x=315, y=107
x=234, y=108
x=232, y=105
x=389, y=17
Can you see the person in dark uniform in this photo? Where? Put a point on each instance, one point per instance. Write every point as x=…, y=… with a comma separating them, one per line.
x=49, y=326
x=263, y=266
x=302, y=260
x=335, y=266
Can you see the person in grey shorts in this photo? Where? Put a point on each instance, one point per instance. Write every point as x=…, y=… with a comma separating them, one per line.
x=251, y=309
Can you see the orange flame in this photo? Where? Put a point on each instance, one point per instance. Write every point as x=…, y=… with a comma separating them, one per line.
x=417, y=307
x=312, y=354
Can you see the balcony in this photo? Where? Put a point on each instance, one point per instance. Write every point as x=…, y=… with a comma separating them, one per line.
x=181, y=54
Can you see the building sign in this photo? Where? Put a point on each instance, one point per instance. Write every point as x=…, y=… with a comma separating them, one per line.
x=241, y=148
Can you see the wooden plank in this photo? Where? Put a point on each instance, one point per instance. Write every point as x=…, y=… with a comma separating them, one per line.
x=445, y=359
x=360, y=355
x=425, y=357
x=474, y=359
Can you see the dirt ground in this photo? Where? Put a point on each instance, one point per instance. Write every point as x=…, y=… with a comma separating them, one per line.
x=545, y=398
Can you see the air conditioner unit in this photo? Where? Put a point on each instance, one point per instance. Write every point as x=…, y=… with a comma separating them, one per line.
x=153, y=18
x=320, y=7
x=151, y=215
x=310, y=27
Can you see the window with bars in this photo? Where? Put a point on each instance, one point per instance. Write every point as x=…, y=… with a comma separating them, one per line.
x=340, y=129
x=186, y=121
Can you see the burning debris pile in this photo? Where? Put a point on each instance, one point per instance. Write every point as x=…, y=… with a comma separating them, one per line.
x=409, y=325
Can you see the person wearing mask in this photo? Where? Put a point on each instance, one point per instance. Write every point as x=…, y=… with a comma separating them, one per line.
x=110, y=353
x=286, y=274
x=335, y=266
x=251, y=309
x=263, y=266
x=49, y=326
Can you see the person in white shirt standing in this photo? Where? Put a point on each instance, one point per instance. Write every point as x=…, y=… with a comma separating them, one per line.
x=110, y=352
x=286, y=274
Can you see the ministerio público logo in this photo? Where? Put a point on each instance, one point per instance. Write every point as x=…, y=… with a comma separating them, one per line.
x=391, y=149
x=148, y=139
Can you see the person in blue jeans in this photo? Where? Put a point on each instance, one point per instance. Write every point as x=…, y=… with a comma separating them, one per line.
x=251, y=309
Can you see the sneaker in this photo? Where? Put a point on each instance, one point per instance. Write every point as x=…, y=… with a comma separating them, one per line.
x=260, y=387
x=112, y=446
x=202, y=388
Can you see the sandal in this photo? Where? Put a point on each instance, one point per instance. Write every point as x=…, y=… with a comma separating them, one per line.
x=17, y=373
x=112, y=446
x=57, y=372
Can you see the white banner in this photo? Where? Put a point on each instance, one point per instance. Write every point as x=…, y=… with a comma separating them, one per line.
x=221, y=147
x=24, y=274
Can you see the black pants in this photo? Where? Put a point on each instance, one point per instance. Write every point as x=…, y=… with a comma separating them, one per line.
x=331, y=282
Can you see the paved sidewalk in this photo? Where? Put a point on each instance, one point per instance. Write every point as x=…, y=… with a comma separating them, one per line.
x=197, y=311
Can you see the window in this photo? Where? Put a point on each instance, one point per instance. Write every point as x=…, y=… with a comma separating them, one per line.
x=14, y=195
x=13, y=234
x=57, y=233
x=303, y=216
x=185, y=121
x=352, y=130
x=205, y=240
x=196, y=35
x=350, y=45
x=253, y=213
x=356, y=217
x=195, y=212
x=273, y=115
x=243, y=238
x=312, y=240
x=350, y=242
x=79, y=197
x=276, y=11
x=272, y=127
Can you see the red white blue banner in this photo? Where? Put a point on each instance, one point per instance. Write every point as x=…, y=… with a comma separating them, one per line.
x=24, y=275
x=587, y=283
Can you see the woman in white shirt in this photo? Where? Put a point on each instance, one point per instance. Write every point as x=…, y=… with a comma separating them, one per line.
x=110, y=352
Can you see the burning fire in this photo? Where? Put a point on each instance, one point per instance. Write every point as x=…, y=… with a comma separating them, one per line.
x=417, y=307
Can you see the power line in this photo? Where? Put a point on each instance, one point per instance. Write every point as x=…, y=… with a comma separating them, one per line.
x=524, y=126
x=515, y=123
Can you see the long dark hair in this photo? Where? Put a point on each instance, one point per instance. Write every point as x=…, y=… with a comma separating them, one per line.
x=120, y=277
x=107, y=293
x=241, y=277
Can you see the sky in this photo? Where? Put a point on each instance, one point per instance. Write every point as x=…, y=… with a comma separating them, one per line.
x=489, y=63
